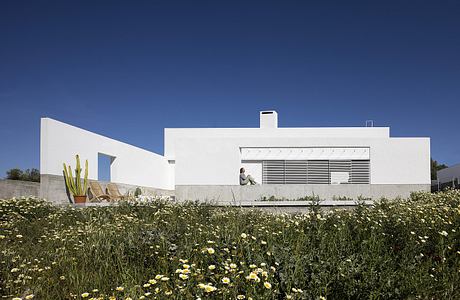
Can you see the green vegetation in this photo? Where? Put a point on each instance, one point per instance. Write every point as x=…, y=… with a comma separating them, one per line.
x=137, y=192
x=27, y=175
x=313, y=198
x=341, y=198
x=363, y=198
x=403, y=249
x=435, y=167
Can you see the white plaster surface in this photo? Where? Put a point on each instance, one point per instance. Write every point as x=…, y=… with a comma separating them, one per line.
x=173, y=134
x=60, y=142
x=213, y=156
x=268, y=119
x=253, y=168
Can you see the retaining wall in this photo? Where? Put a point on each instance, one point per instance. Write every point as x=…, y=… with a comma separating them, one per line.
x=237, y=193
x=53, y=189
x=18, y=188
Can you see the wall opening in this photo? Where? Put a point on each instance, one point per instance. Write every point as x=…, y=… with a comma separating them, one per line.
x=104, y=164
x=315, y=171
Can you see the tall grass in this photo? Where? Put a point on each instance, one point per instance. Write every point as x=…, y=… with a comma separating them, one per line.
x=393, y=250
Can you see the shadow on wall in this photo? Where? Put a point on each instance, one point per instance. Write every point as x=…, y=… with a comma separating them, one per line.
x=69, y=197
x=53, y=188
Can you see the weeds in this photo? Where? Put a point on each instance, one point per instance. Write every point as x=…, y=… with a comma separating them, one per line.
x=159, y=250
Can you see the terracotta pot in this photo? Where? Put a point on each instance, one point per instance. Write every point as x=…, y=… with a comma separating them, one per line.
x=79, y=199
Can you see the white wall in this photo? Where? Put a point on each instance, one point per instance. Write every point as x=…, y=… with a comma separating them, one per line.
x=213, y=157
x=401, y=160
x=174, y=134
x=253, y=168
x=60, y=142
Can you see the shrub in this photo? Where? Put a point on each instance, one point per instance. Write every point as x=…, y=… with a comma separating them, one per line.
x=393, y=250
x=14, y=174
x=31, y=175
x=27, y=175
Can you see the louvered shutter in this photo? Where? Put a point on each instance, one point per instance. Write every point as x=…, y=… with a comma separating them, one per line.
x=295, y=171
x=360, y=170
x=273, y=172
x=317, y=171
x=313, y=171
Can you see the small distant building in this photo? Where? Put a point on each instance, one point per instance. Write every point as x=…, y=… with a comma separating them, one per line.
x=290, y=163
x=449, y=177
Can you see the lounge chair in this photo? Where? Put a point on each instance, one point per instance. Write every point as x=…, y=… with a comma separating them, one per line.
x=97, y=193
x=114, y=192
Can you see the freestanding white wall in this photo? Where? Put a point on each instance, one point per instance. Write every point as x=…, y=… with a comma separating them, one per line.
x=60, y=142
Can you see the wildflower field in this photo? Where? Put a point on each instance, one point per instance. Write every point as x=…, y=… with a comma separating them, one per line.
x=402, y=249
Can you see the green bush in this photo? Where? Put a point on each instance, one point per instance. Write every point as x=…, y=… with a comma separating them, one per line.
x=27, y=175
x=403, y=249
x=14, y=174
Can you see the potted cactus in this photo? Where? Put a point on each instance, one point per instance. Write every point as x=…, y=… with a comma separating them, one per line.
x=74, y=185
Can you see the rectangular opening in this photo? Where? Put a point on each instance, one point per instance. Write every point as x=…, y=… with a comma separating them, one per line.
x=104, y=163
x=253, y=168
x=267, y=112
x=315, y=171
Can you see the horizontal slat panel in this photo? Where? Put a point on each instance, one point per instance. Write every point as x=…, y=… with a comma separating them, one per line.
x=296, y=171
x=360, y=171
x=318, y=171
x=314, y=171
x=273, y=172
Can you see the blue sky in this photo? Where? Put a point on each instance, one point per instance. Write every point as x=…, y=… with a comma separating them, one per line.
x=128, y=69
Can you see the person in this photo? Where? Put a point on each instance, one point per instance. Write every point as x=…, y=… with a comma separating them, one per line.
x=244, y=180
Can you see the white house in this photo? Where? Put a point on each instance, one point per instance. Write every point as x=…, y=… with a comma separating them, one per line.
x=449, y=175
x=204, y=163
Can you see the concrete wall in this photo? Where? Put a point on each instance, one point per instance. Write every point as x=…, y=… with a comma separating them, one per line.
x=449, y=174
x=212, y=159
x=53, y=189
x=231, y=193
x=60, y=142
x=18, y=188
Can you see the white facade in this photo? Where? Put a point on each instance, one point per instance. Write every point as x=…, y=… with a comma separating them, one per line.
x=213, y=156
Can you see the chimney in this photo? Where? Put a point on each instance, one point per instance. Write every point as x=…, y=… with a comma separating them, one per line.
x=268, y=119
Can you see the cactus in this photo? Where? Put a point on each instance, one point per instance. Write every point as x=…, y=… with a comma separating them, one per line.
x=74, y=184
